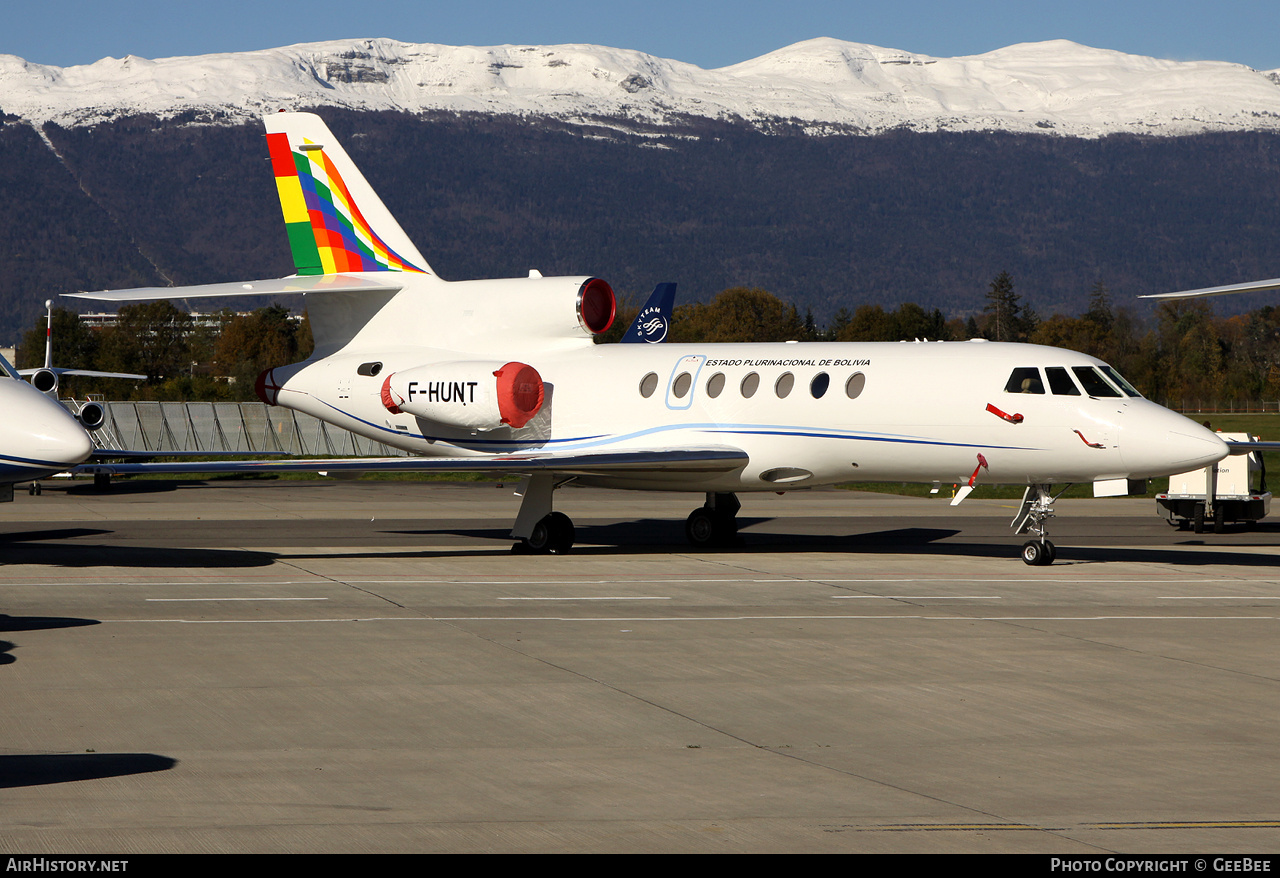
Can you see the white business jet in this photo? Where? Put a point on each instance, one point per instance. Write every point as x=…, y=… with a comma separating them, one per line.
x=503, y=376
x=38, y=437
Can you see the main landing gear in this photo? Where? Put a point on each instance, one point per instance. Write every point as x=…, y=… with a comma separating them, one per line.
x=715, y=523
x=538, y=529
x=1036, y=510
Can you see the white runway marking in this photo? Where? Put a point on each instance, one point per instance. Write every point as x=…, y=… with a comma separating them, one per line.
x=916, y=597
x=197, y=600
x=637, y=598
x=687, y=619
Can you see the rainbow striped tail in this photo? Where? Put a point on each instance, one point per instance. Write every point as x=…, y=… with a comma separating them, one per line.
x=336, y=222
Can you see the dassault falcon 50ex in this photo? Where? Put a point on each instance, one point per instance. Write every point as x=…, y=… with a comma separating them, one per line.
x=503, y=376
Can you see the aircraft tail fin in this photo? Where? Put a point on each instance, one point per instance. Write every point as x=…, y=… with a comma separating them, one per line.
x=654, y=319
x=335, y=221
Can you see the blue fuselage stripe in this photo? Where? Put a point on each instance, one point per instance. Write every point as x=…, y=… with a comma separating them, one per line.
x=577, y=442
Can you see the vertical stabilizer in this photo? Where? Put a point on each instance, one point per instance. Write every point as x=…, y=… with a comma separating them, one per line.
x=336, y=222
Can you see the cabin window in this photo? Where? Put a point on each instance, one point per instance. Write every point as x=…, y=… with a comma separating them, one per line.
x=1094, y=384
x=1119, y=381
x=853, y=387
x=715, y=385
x=369, y=369
x=818, y=386
x=1060, y=382
x=783, y=385
x=680, y=388
x=648, y=384
x=1025, y=380
x=750, y=385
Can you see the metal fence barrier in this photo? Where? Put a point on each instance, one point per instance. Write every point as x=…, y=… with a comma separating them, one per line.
x=222, y=427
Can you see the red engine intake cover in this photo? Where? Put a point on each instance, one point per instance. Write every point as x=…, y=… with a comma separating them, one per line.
x=390, y=401
x=266, y=388
x=596, y=305
x=520, y=391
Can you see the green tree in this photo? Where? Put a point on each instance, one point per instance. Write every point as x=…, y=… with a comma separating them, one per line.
x=738, y=314
x=251, y=343
x=1010, y=321
x=150, y=338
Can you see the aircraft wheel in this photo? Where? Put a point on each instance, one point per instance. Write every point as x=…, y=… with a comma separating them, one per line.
x=552, y=535
x=704, y=528
x=1197, y=520
x=1038, y=553
x=562, y=533
x=700, y=527
x=1219, y=518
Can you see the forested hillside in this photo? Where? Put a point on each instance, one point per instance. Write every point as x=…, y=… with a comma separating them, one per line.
x=822, y=222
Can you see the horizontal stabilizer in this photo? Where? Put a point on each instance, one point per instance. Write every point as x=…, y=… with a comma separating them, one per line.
x=86, y=373
x=320, y=283
x=1256, y=286
x=700, y=460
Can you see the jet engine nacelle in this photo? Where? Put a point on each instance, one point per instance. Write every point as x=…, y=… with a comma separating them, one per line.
x=91, y=416
x=474, y=395
x=527, y=309
x=45, y=381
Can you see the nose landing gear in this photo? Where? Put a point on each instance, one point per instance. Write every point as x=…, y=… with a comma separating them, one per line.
x=1036, y=510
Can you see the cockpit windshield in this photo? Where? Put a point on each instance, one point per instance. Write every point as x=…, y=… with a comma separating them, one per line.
x=1097, y=381
x=1093, y=382
x=1119, y=381
x=6, y=371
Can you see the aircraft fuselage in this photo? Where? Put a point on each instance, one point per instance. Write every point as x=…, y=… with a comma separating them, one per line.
x=805, y=414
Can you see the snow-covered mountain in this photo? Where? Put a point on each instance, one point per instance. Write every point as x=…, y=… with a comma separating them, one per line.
x=823, y=85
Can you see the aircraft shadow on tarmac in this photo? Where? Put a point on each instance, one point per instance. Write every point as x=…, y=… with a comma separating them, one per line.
x=30, y=771
x=663, y=536
x=41, y=623
x=127, y=486
x=53, y=548
x=636, y=537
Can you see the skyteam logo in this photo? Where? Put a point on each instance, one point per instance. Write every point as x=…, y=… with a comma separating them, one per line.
x=652, y=324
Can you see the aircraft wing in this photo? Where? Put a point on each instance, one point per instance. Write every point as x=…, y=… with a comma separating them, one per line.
x=711, y=459
x=1251, y=287
x=1235, y=447
x=317, y=283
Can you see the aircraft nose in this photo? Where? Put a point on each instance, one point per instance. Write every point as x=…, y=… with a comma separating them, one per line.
x=48, y=433
x=67, y=444
x=1192, y=450
x=1165, y=443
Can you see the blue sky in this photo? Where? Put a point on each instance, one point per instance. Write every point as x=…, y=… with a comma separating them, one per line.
x=709, y=34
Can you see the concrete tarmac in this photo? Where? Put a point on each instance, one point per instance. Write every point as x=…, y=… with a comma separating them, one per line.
x=277, y=666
